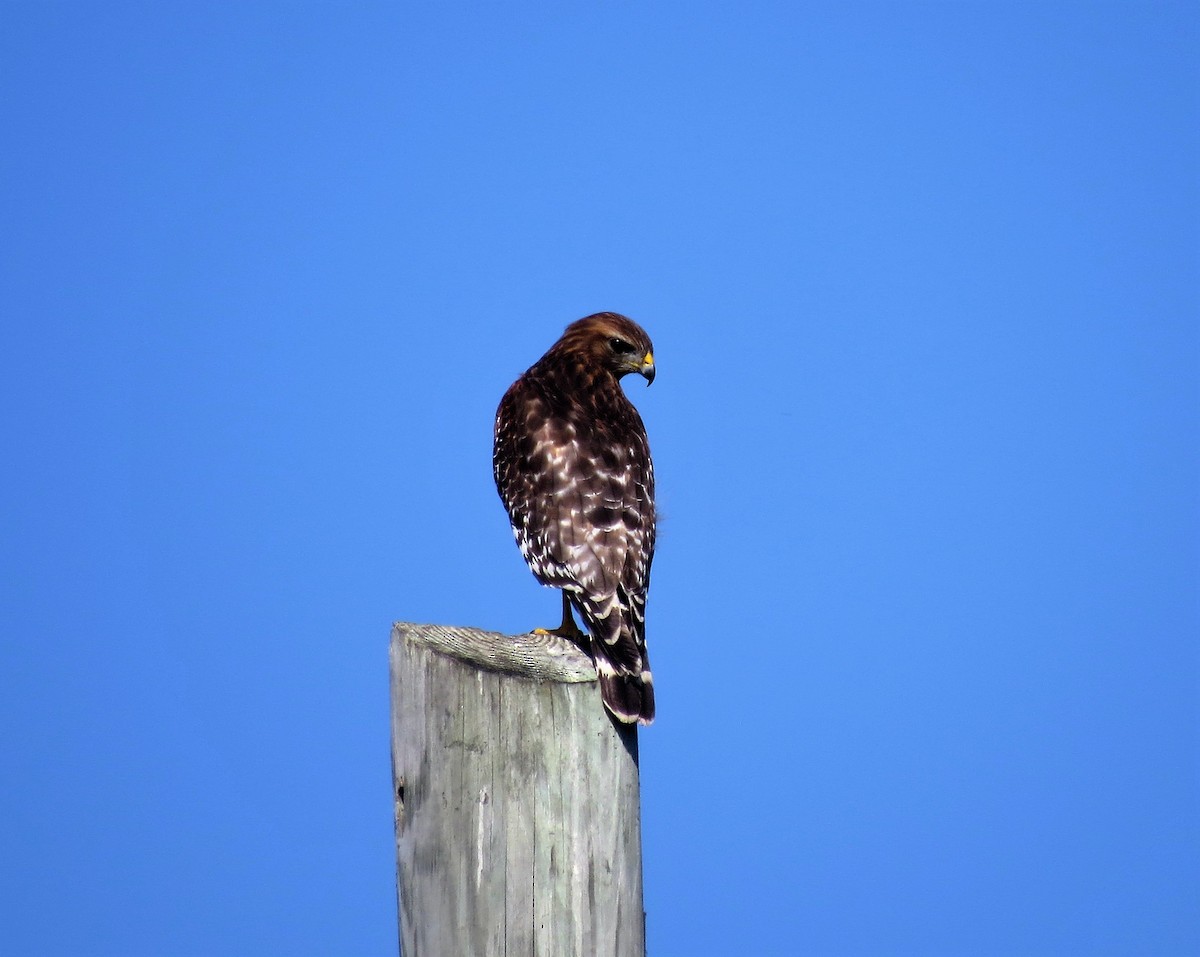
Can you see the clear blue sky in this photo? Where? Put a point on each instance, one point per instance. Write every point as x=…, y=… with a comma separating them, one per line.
x=924, y=285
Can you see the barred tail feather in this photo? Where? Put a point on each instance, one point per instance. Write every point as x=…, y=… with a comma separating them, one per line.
x=629, y=698
x=619, y=654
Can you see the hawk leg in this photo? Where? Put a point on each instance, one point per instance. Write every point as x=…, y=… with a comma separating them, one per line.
x=568, y=629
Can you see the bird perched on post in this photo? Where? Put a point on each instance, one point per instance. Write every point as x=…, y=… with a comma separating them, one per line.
x=572, y=465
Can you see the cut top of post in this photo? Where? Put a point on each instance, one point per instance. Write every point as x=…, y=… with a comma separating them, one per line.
x=539, y=657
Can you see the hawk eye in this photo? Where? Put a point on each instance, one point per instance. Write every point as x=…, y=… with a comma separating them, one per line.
x=620, y=347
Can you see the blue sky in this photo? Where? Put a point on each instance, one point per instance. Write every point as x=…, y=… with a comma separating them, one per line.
x=924, y=285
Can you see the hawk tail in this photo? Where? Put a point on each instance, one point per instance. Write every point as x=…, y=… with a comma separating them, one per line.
x=628, y=697
x=619, y=653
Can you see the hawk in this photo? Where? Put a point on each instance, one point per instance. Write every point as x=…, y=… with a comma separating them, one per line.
x=572, y=465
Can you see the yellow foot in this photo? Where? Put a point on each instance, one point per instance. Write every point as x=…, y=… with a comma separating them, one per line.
x=572, y=633
x=568, y=629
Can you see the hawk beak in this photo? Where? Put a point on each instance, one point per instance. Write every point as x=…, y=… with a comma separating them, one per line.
x=647, y=367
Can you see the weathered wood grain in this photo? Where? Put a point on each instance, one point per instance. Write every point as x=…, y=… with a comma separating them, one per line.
x=517, y=804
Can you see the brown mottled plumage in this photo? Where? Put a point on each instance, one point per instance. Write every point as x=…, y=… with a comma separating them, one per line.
x=572, y=465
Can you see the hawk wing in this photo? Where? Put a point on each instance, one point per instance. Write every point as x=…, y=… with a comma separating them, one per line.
x=579, y=491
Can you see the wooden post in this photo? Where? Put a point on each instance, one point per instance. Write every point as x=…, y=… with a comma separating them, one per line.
x=517, y=805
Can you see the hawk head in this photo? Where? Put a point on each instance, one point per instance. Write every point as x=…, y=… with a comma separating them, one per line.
x=613, y=342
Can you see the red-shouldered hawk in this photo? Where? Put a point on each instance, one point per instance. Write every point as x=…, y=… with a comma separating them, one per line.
x=572, y=465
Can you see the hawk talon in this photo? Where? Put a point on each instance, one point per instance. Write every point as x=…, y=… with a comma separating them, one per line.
x=567, y=629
